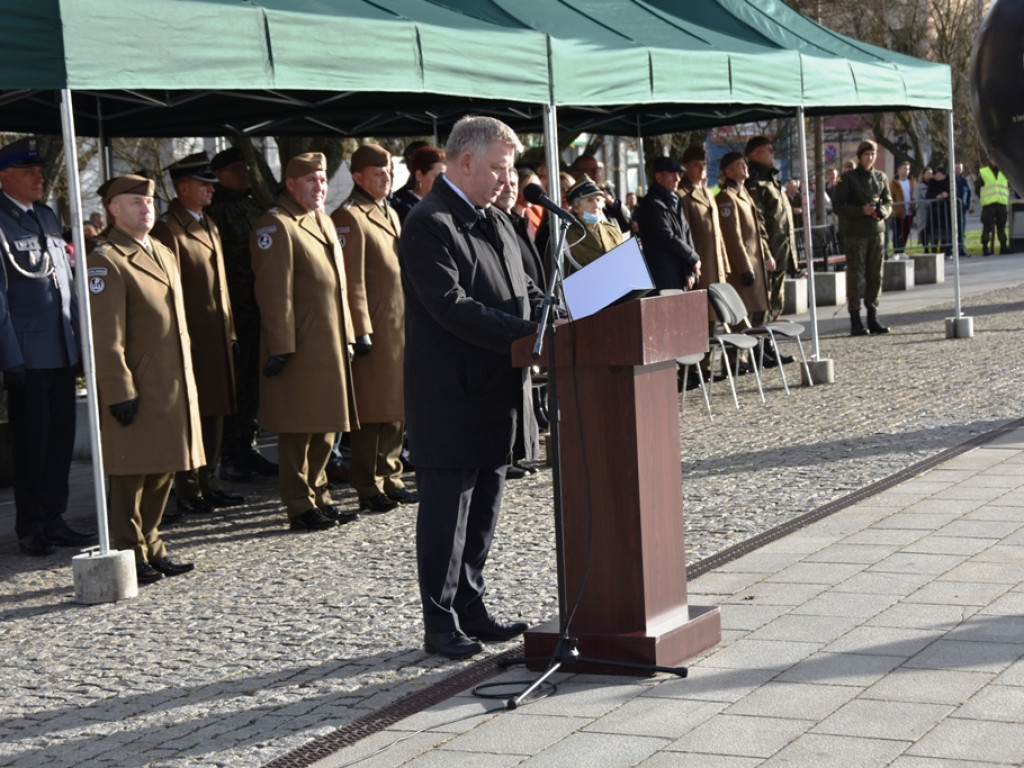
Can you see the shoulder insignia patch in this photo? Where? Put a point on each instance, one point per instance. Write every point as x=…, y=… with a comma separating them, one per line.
x=97, y=271
x=96, y=284
x=264, y=241
x=266, y=230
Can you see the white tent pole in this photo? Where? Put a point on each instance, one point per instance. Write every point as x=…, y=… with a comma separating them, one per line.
x=953, y=221
x=551, y=158
x=808, y=239
x=85, y=319
x=641, y=173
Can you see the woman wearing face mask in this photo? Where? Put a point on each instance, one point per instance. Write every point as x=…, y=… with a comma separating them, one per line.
x=586, y=201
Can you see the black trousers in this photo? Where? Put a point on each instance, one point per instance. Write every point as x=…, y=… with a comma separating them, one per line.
x=42, y=415
x=457, y=515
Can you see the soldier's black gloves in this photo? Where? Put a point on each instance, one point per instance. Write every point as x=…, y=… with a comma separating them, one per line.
x=274, y=365
x=748, y=277
x=14, y=378
x=125, y=412
x=363, y=345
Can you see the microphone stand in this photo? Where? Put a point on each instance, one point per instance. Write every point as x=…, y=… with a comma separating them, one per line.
x=566, y=651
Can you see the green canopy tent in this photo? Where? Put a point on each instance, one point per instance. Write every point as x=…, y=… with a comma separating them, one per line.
x=397, y=67
x=401, y=67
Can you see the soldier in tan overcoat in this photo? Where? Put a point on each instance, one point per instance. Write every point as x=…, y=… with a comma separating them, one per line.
x=743, y=231
x=194, y=240
x=368, y=230
x=149, y=406
x=306, y=388
x=702, y=216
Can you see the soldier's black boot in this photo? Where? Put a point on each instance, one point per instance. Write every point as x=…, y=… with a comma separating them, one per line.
x=856, y=327
x=873, y=325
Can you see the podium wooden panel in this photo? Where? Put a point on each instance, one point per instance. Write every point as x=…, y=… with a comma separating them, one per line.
x=622, y=497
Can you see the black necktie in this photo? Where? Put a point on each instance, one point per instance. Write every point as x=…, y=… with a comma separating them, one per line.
x=35, y=218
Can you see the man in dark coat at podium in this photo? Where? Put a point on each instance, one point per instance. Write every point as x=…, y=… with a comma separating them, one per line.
x=467, y=299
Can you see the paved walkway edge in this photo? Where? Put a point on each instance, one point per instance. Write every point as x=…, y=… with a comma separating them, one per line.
x=481, y=671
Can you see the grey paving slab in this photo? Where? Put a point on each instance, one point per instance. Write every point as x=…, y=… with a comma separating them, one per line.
x=845, y=552
x=885, y=641
x=709, y=683
x=952, y=591
x=805, y=628
x=842, y=669
x=967, y=655
x=928, y=686
x=806, y=572
x=933, y=617
x=917, y=562
x=846, y=604
x=973, y=741
x=385, y=749
x=794, y=701
x=741, y=736
x=883, y=583
x=824, y=751
x=662, y=718
x=892, y=720
x=999, y=703
x=528, y=735
x=596, y=749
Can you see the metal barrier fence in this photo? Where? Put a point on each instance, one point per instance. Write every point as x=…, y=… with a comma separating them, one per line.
x=926, y=230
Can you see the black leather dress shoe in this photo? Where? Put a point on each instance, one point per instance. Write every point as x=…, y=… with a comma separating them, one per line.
x=168, y=567
x=233, y=473
x=196, y=506
x=260, y=464
x=490, y=630
x=338, y=515
x=404, y=496
x=312, y=520
x=35, y=546
x=514, y=473
x=146, y=573
x=378, y=503
x=64, y=536
x=220, y=499
x=453, y=645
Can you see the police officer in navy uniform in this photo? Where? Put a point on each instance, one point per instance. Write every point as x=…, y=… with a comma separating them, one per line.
x=39, y=351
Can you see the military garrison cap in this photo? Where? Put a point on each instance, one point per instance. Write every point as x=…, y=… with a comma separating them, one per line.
x=226, y=158
x=369, y=155
x=129, y=184
x=305, y=164
x=22, y=153
x=195, y=166
x=666, y=164
x=695, y=152
x=728, y=159
x=584, y=188
x=756, y=143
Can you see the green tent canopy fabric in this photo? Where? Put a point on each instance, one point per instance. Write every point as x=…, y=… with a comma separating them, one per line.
x=401, y=67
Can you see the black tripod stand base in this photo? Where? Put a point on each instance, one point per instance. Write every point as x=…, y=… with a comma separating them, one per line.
x=635, y=653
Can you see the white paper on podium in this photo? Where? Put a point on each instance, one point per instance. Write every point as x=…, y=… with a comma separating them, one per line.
x=620, y=272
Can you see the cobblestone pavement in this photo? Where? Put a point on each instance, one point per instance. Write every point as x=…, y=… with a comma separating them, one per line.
x=278, y=638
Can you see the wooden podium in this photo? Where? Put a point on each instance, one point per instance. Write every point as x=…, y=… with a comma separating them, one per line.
x=622, y=497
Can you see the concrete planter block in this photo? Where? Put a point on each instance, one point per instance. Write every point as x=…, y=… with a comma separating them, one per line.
x=104, y=578
x=929, y=268
x=897, y=275
x=829, y=289
x=795, y=296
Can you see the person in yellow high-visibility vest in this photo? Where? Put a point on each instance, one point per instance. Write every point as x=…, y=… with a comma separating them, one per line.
x=994, y=193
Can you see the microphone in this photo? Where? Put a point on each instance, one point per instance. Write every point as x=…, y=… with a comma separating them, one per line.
x=534, y=193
